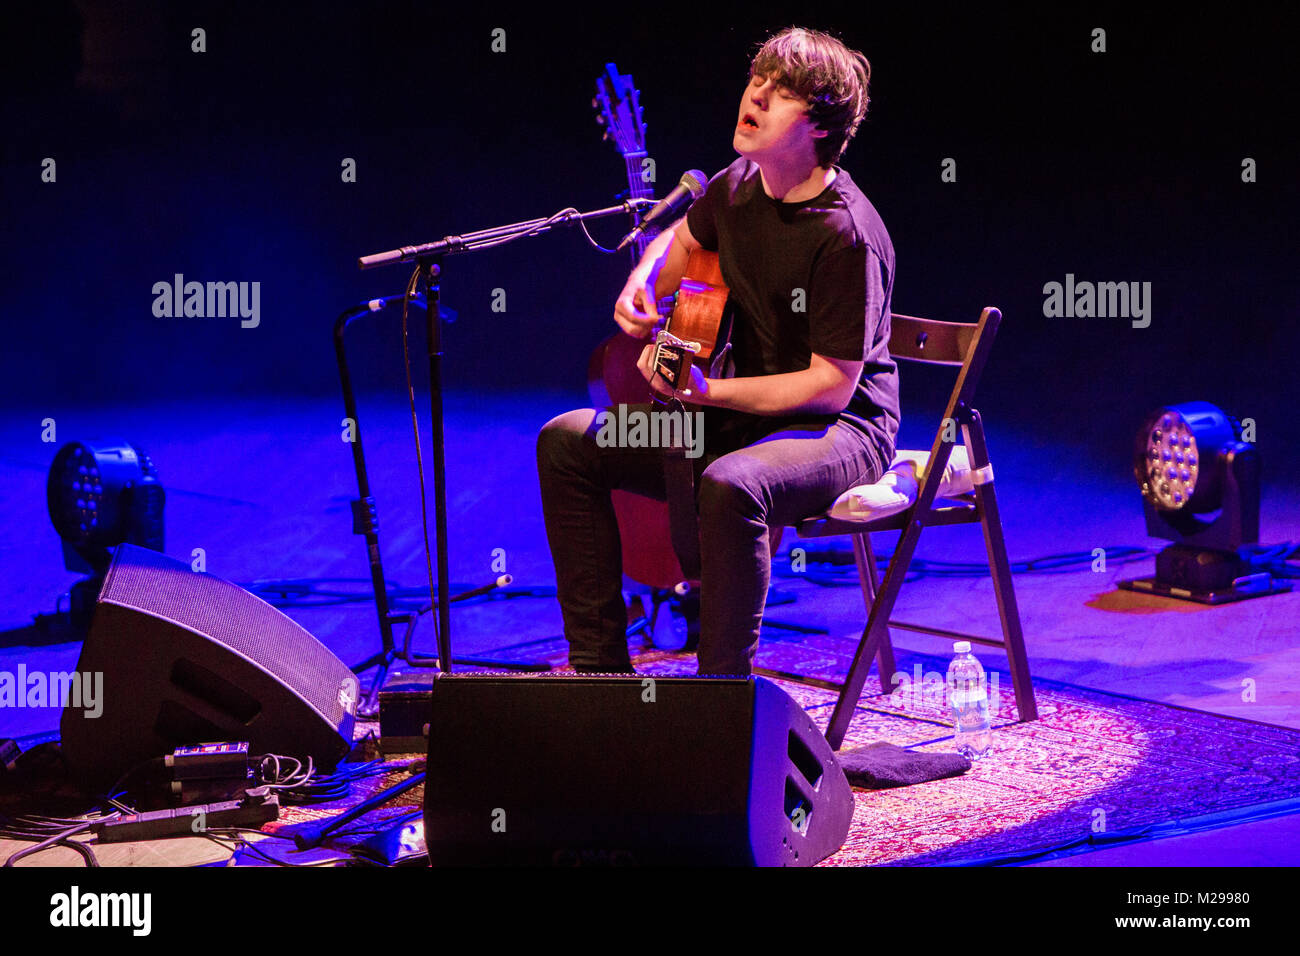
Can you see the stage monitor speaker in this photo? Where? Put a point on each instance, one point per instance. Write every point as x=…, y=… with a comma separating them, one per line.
x=188, y=658
x=628, y=770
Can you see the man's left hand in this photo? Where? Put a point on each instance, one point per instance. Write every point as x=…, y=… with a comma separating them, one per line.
x=696, y=390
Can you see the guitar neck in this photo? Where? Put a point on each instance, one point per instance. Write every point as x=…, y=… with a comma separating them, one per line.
x=635, y=179
x=639, y=189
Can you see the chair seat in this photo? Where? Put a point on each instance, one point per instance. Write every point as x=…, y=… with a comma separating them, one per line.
x=960, y=510
x=897, y=488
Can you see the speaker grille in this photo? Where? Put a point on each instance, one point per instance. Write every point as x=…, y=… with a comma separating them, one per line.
x=169, y=589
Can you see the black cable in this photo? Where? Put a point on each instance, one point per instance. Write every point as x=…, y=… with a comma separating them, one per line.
x=836, y=566
x=1279, y=560
x=112, y=792
x=301, y=785
x=56, y=839
x=86, y=852
x=594, y=244
x=248, y=846
x=410, y=388
x=308, y=593
x=294, y=781
x=415, y=425
x=536, y=230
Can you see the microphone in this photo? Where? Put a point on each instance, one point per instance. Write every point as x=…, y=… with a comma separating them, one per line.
x=687, y=191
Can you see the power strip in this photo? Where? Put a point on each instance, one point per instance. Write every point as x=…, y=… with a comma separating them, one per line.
x=252, y=812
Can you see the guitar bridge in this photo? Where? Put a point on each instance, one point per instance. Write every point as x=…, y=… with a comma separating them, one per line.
x=672, y=358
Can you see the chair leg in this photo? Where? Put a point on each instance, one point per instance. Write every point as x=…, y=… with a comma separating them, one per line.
x=866, y=562
x=1000, y=567
x=876, y=631
x=1008, y=610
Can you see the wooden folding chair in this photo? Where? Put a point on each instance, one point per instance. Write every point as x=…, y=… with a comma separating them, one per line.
x=938, y=343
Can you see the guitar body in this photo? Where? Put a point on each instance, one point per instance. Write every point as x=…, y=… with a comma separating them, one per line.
x=699, y=315
x=648, y=556
x=612, y=373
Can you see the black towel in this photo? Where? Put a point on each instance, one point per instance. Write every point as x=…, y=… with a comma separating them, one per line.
x=881, y=765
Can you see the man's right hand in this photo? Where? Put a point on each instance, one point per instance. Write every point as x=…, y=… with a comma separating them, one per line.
x=635, y=310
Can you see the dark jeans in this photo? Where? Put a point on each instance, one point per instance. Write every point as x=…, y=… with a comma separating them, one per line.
x=742, y=489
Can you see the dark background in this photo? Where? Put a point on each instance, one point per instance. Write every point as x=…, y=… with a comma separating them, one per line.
x=225, y=165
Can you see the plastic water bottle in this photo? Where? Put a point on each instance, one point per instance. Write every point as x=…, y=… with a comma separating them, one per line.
x=969, y=699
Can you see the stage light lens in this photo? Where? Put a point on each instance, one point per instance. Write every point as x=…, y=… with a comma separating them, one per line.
x=100, y=495
x=1170, y=446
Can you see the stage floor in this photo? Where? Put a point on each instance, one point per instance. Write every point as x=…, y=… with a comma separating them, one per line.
x=263, y=488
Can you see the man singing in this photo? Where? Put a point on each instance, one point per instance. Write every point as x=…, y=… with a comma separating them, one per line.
x=813, y=408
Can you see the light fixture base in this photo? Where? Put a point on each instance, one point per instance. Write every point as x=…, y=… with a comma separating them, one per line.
x=1206, y=576
x=1223, y=596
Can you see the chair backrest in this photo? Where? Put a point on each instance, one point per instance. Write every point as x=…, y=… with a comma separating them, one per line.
x=933, y=341
x=960, y=344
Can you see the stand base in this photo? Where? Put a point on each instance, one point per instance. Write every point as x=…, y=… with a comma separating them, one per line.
x=1206, y=576
x=369, y=705
x=1265, y=587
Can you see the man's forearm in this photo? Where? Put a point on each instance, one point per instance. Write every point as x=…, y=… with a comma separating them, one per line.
x=787, y=393
x=663, y=263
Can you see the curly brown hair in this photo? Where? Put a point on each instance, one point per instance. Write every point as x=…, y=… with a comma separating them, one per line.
x=822, y=70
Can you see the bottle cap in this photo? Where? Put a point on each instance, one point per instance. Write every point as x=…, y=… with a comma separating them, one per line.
x=961, y=647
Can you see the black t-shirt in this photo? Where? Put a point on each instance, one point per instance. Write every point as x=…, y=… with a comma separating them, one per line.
x=805, y=277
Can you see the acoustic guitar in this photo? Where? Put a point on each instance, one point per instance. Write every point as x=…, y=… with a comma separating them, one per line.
x=697, y=331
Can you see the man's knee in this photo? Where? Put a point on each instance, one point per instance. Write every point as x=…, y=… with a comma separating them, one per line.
x=728, y=486
x=561, y=439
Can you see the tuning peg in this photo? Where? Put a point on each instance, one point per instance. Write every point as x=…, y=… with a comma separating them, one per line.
x=601, y=119
x=594, y=102
x=604, y=137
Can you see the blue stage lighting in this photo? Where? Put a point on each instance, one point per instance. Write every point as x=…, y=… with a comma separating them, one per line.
x=100, y=495
x=1200, y=489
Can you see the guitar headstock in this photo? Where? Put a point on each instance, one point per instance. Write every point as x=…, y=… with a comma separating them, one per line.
x=619, y=110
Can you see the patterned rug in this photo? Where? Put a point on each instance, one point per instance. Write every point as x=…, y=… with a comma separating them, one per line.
x=1092, y=764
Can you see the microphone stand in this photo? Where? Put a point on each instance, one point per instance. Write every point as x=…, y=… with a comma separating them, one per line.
x=365, y=522
x=428, y=258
